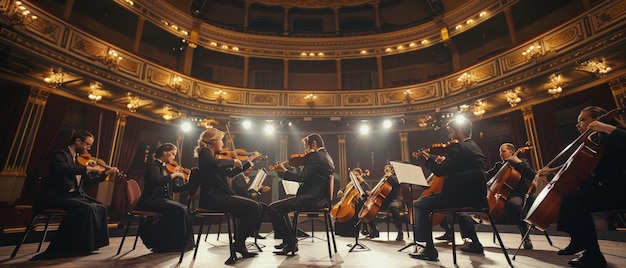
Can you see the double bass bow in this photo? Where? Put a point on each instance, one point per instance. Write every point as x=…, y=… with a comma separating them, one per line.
x=545, y=209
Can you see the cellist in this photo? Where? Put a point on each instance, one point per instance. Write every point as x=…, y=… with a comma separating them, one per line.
x=515, y=203
x=603, y=190
x=464, y=169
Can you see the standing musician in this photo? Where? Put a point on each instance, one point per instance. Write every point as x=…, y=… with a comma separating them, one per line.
x=603, y=190
x=514, y=207
x=315, y=173
x=173, y=230
x=241, y=183
x=464, y=170
x=358, y=173
x=393, y=202
x=215, y=192
x=84, y=229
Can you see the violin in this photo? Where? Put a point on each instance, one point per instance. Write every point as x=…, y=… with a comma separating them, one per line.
x=436, y=149
x=173, y=167
x=240, y=154
x=295, y=160
x=85, y=159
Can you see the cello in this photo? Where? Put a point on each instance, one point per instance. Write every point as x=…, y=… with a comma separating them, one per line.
x=345, y=209
x=500, y=186
x=375, y=200
x=545, y=209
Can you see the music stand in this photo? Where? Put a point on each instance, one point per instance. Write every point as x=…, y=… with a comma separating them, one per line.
x=357, y=225
x=257, y=183
x=409, y=174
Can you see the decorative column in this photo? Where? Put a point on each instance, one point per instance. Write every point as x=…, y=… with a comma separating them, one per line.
x=13, y=174
x=105, y=188
x=246, y=67
x=404, y=146
x=282, y=155
x=531, y=133
x=138, y=32
x=377, y=17
x=285, y=73
x=379, y=66
x=336, y=12
x=286, y=21
x=191, y=47
x=246, y=14
x=618, y=88
x=511, y=25
x=342, y=169
x=339, y=80
x=68, y=9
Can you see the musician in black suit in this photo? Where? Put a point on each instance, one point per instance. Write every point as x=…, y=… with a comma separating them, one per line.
x=464, y=170
x=603, y=190
x=514, y=207
x=215, y=191
x=84, y=229
x=241, y=183
x=314, y=174
x=174, y=229
x=393, y=202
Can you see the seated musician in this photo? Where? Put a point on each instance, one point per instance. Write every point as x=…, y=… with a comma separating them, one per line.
x=464, y=170
x=514, y=207
x=84, y=229
x=312, y=194
x=603, y=190
x=240, y=184
x=173, y=230
x=394, y=202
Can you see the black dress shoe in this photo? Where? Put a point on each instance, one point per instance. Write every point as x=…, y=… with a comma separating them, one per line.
x=595, y=260
x=445, y=236
x=286, y=250
x=374, y=234
x=571, y=249
x=400, y=237
x=281, y=245
x=425, y=253
x=473, y=247
x=365, y=232
x=528, y=244
x=241, y=249
x=258, y=236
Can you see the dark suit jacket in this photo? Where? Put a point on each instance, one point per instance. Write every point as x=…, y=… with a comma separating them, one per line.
x=214, y=175
x=240, y=186
x=314, y=174
x=63, y=178
x=609, y=175
x=464, y=172
x=158, y=184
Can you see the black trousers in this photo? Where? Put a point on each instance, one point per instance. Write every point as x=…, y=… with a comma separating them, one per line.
x=422, y=209
x=278, y=212
x=246, y=210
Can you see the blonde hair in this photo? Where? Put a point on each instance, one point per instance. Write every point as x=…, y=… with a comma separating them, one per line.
x=208, y=137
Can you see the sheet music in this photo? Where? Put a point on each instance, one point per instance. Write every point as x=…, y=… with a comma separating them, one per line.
x=356, y=183
x=409, y=173
x=291, y=187
x=258, y=180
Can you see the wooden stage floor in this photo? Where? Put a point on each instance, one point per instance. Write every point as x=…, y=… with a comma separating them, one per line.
x=313, y=253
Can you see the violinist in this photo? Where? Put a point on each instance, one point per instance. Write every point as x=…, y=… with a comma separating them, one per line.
x=603, y=190
x=463, y=167
x=215, y=191
x=514, y=207
x=240, y=184
x=84, y=229
x=173, y=230
x=316, y=170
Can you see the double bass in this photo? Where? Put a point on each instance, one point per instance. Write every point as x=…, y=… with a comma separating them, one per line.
x=345, y=209
x=545, y=209
x=500, y=186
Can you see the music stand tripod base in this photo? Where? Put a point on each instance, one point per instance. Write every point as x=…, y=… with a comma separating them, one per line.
x=356, y=244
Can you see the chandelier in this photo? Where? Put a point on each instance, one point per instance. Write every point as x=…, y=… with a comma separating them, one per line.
x=479, y=108
x=556, y=86
x=176, y=83
x=55, y=79
x=534, y=52
x=133, y=103
x=95, y=93
x=220, y=95
x=19, y=15
x=466, y=79
x=599, y=68
x=309, y=99
x=111, y=59
x=512, y=96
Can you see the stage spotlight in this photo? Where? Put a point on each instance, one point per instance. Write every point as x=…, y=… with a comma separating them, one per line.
x=460, y=118
x=387, y=123
x=185, y=126
x=246, y=124
x=365, y=129
x=269, y=129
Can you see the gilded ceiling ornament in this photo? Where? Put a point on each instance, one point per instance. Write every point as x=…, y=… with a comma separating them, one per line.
x=315, y=3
